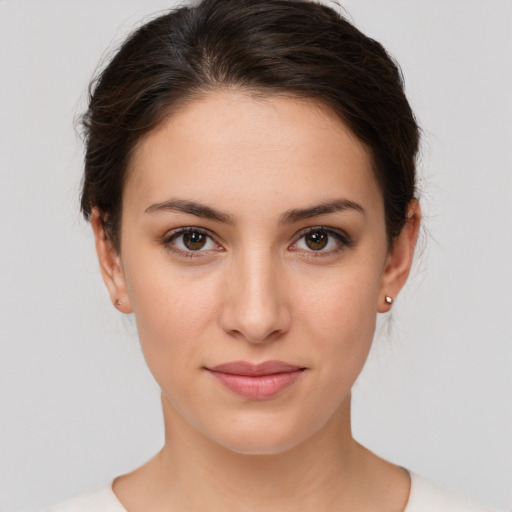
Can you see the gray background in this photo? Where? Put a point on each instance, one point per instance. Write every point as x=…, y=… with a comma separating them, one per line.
x=77, y=404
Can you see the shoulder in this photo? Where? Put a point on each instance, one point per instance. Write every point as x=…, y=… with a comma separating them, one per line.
x=100, y=500
x=428, y=497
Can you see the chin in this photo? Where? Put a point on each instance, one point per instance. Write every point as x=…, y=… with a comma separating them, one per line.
x=266, y=440
x=260, y=447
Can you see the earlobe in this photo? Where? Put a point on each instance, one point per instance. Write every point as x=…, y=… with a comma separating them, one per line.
x=400, y=258
x=110, y=265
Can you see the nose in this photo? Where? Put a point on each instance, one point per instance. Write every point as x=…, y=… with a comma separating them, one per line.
x=254, y=306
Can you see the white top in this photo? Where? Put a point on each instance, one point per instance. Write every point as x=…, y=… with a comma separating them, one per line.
x=424, y=496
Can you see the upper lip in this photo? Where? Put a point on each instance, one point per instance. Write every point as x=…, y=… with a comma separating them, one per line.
x=251, y=369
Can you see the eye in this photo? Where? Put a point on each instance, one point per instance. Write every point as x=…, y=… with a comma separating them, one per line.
x=322, y=241
x=190, y=242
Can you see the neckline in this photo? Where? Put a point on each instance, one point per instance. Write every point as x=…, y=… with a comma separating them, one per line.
x=412, y=488
x=120, y=507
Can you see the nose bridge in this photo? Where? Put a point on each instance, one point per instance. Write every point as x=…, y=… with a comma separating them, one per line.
x=255, y=307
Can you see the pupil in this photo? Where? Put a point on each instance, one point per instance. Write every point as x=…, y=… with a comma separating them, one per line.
x=194, y=240
x=316, y=240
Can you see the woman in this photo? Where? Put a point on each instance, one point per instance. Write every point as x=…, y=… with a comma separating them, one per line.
x=250, y=181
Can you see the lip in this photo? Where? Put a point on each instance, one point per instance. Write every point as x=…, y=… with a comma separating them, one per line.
x=256, y=381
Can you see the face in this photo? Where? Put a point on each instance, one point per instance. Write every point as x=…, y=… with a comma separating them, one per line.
x=254, y=257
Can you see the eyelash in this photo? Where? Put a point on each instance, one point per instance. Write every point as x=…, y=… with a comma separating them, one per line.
x=168, y=239
x=344, y=241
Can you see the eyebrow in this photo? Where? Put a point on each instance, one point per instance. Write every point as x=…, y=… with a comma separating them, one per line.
x=324, y=208
x=191, y=207
x=288, y=217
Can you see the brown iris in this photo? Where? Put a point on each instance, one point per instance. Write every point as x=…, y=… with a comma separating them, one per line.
x=194, y=240
x=316, y=240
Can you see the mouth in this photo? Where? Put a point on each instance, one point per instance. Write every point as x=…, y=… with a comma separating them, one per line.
x=256, y=381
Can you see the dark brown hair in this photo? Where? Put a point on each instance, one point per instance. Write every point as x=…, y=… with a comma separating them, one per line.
x=292, y=47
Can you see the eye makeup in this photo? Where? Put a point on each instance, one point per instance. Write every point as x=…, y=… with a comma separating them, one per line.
x=193, y=242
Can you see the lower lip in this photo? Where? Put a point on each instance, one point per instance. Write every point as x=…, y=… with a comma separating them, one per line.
x=258, y=387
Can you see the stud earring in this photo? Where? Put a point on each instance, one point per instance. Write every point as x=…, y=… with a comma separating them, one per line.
x=118, y=303
x=388, y=300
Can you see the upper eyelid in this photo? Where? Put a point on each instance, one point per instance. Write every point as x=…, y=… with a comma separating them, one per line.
x=298, y=234
x=188, y=229
x=340, y=234
x=169, y=238
x=327, y=229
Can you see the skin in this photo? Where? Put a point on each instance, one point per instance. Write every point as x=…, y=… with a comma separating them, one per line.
x=256, y=291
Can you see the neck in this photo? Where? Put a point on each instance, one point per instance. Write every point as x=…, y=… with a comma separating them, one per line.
x=307, y=464
x=329, y=471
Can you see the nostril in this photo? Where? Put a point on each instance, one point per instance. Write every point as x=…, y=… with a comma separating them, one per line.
x=252, y=308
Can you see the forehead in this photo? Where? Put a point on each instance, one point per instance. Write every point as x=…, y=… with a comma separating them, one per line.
x=237, y=149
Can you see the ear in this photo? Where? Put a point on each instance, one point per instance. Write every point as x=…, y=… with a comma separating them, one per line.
x=110, y=265
x=400, y=257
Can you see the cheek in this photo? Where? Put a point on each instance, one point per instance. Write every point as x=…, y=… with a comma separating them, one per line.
x=173, y=309
x=338, y=316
